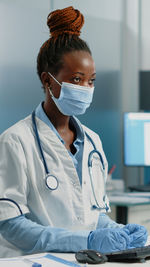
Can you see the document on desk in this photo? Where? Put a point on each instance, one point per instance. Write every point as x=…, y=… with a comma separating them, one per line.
x=44, y=260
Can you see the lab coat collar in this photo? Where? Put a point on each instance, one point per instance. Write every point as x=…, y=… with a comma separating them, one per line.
x=73, y=121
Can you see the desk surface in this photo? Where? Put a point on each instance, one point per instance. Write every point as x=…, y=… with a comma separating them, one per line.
x=17, y=262
x=129, y=199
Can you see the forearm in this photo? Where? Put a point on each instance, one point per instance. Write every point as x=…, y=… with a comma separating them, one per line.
x=32, y=237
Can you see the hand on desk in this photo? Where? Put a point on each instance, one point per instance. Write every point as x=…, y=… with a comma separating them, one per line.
x=109, y=239
x=138, y=235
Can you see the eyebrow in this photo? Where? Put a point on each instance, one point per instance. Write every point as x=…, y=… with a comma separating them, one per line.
x=81, y=73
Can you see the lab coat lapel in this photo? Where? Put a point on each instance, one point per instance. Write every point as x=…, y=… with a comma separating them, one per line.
x=47, y=136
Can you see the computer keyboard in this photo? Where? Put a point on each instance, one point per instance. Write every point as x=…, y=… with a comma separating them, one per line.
x=130, y=254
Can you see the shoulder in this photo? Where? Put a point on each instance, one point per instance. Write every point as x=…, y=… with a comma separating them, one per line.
x=97, y=141
x=86, y=129
x=19, y=130
x=91, y=133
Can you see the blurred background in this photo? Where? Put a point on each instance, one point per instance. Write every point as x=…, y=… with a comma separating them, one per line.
x=117, y=32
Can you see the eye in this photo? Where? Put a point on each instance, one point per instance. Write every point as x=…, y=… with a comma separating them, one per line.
x=91, y=81
x=76, y=79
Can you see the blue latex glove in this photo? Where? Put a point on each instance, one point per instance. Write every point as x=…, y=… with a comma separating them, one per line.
x=138, y=235
x=108, y=240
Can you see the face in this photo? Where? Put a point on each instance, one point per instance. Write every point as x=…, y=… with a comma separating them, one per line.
x=78, y=68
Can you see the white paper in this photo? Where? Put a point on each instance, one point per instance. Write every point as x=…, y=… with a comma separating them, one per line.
x=38, y=258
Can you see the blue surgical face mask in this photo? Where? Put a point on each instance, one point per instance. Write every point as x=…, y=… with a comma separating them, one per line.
x=74, y=99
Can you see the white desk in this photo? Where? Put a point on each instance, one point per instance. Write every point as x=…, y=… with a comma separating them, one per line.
x=70, y=257
x=127, y=208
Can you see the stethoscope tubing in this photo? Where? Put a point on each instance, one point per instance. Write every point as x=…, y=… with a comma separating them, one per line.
x=89, y=164
x=97, y=206
x=94, y=151
x=38, y=141
x=48, y=176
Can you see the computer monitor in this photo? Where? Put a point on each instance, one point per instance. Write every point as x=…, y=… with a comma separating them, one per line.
x=137, y=138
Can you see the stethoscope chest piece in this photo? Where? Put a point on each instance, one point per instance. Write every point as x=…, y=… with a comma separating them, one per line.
x=51, y=182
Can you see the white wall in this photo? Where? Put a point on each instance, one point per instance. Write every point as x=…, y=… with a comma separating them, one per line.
x=145, y=35
x=130, y=73
x=23, y=29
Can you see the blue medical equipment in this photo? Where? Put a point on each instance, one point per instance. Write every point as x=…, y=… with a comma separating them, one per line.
x=52, y=181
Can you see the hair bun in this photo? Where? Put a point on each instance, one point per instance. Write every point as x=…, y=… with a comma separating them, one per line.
x=67, y=20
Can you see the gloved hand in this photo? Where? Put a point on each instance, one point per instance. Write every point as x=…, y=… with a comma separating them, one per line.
x=137, y=233
x=108, y=239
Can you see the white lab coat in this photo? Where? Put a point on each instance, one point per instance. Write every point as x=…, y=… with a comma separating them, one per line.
x=22, y=179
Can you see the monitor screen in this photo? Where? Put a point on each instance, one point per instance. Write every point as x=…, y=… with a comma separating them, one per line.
x=137, y=139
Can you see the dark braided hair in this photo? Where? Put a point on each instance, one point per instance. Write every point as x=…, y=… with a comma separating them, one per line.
x=64, y=25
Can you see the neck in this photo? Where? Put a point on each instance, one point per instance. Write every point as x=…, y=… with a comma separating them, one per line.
x=60, y=121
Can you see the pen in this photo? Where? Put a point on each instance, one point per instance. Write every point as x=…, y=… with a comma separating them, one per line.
x=112, y=169
x=32, y=263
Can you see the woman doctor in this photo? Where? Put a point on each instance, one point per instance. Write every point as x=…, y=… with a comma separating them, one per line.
x=52, y=188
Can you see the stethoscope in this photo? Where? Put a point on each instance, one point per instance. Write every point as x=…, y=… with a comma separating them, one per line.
x=51, y=181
